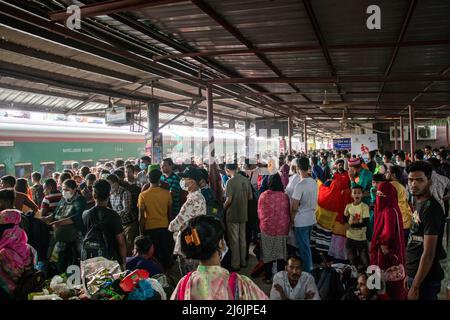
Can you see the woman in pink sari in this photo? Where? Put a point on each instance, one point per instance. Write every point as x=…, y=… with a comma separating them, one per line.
x=15, y=254
x=387, y=247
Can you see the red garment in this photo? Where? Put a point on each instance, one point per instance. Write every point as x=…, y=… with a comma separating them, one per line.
x=273, y=213
x=388, y=231
x=343, y=178
x=335, y=197
x=329, y=196
x=260, y=178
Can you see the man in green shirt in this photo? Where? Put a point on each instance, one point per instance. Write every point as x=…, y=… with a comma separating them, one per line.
x=238, y=192
x=173, y=181
x=360, y=176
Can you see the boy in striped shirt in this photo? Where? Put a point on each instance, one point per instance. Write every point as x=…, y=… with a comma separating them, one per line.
x=51, y=199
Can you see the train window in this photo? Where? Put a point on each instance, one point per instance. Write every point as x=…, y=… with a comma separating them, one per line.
x=87, y=163
x=102, y=161
x=23, y=170
x=67, y=164
x=47, y=169
x=2, y=170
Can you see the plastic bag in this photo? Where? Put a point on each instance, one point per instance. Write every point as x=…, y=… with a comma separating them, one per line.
x=98, y=273
x=148, y=289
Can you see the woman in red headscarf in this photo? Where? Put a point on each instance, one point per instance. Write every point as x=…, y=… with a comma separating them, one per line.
x=387, y=247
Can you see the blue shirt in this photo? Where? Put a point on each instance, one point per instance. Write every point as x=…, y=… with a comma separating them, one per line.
x=317, y=173
x=138, y=262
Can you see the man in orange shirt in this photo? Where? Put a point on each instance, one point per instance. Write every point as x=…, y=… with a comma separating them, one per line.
x=155, y=205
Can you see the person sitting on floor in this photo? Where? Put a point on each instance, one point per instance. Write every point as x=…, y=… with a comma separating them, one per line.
x=143, y=257
x=294, y=283
x=362, y=291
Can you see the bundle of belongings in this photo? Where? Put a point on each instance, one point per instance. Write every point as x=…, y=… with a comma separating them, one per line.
x=329, y=234
x=335, y=280
x=102, y=279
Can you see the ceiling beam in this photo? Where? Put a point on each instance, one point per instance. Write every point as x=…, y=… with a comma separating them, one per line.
x=263, y=93
x=322, y=42
x=208, y=10
x=353, y=78
x=45, y=92
x=404, y=27
x=34, y=24
x=311, y=47
x=66, y=81
x=159, y=36
x=355, y=104
x=108, y=7
x=34, y=53
x=444, y=72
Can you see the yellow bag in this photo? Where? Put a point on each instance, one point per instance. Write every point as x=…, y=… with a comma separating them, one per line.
x=325, y=218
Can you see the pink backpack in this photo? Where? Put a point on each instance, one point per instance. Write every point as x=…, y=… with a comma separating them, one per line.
x=231, y=286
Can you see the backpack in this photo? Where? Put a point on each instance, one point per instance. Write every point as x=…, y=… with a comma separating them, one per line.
x=100, y=247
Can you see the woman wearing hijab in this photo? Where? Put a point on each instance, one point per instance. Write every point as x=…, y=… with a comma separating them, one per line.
x=387, y=247
x=15, y=255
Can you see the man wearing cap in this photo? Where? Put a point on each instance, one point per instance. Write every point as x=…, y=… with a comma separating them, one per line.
x=194, y=206
x=163, y=184
x=154, y=209
x=360, y=176
x=238, y=193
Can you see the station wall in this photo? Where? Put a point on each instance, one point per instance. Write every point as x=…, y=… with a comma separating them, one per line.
x=385, y=144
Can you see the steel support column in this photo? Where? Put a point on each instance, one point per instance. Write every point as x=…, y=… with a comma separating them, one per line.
x=290, y=132
x=210, y=116
x=412, y=137
x=447, y=135
x=247, y=139
x=395, y=136
x=153, y=128
x=402, y=135
x=305, y=136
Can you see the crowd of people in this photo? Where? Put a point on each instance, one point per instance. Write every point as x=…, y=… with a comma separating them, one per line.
x=299, y=214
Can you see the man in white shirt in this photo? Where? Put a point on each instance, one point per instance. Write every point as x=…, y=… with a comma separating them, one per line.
x=294, y=179
x=303, y=212
x=294, y=284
